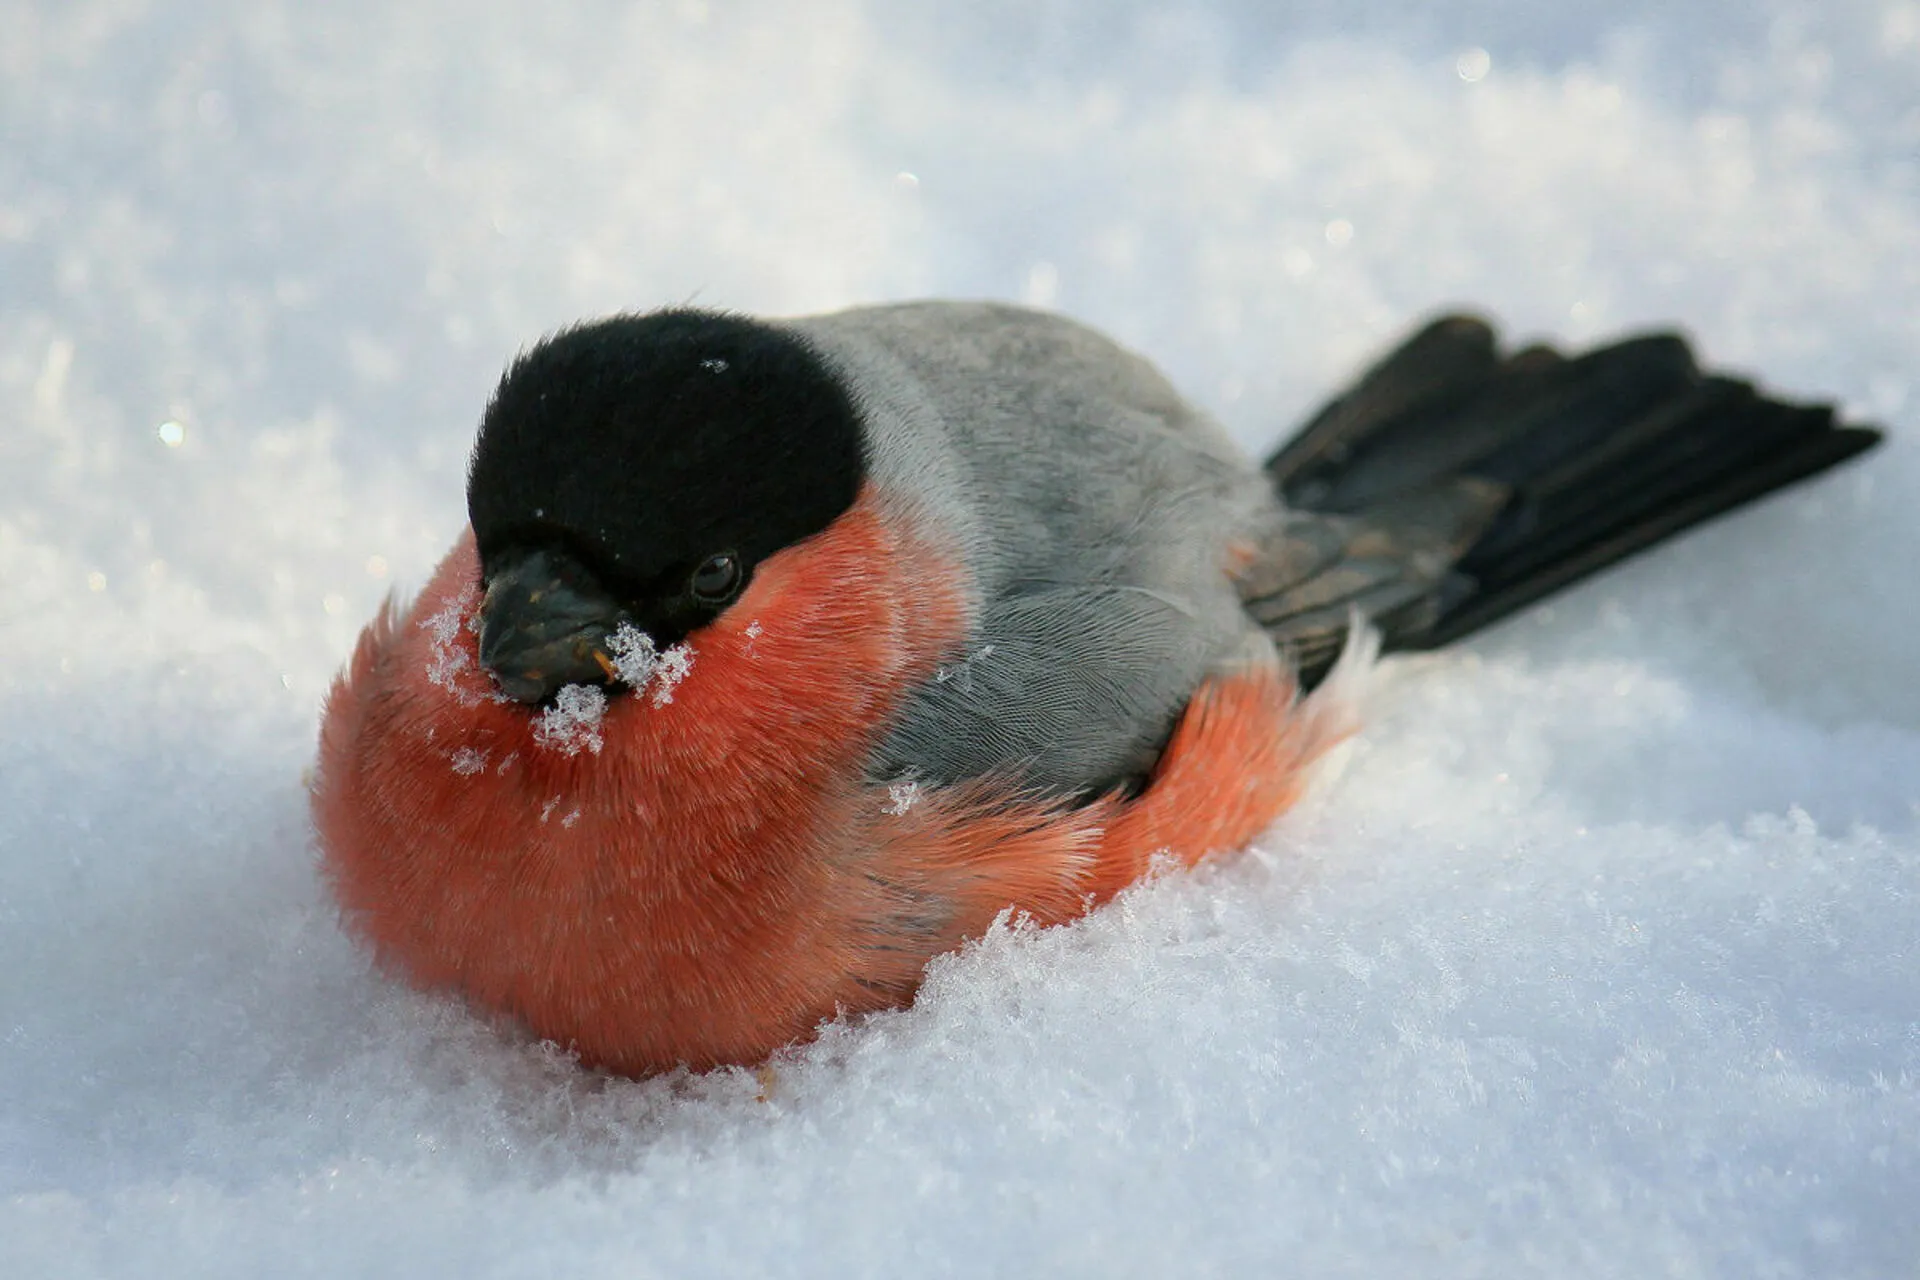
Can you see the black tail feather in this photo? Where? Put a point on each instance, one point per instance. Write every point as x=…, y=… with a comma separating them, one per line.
x=1452, y=486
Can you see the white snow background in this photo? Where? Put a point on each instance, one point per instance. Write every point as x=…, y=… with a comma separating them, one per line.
x=1598, y=957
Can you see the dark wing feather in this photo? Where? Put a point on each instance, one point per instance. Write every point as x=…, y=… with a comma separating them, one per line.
x=1452, y=486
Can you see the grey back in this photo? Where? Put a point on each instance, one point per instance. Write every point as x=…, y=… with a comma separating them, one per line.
x=1093, y=508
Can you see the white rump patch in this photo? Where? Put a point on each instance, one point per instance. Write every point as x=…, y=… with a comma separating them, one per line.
x=1333, y=713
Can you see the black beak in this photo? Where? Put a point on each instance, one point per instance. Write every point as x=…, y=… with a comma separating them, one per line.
x=544, y=623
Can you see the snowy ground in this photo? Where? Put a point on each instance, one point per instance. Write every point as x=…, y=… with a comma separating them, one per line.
x=1598, y=958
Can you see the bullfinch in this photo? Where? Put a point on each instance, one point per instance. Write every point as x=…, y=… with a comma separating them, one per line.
x=781, y=656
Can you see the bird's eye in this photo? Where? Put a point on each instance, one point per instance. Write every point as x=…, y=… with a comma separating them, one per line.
x=717, y=578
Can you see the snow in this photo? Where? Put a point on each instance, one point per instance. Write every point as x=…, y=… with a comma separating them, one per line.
x=901, y=798
x=640, y=663
x=674, y=665
x=1596, y=957
x=448, y=660
x=635, y=657
x=572, y=723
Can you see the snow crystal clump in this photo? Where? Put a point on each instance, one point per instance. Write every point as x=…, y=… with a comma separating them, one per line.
x=673, y=667
x=639, y=662
x=634, y=655
x=901, y=797
x=960, y=674
x=449, y=660
x=468, y=761
x=572, y=723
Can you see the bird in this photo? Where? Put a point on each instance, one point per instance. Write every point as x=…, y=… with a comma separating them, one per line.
x=779, y=657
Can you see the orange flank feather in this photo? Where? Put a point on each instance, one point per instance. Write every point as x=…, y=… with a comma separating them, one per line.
x=693, y=880
x=1238, y=760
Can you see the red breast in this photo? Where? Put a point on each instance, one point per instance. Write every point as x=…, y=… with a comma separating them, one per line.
x=704, y=879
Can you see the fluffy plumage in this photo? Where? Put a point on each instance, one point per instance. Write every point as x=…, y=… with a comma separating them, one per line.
x=1004, y=631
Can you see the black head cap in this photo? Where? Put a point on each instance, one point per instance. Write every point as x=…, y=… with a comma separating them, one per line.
x=642, y=447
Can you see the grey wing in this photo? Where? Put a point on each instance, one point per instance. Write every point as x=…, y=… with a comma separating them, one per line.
x=1093, y=509
x=1069, y=692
